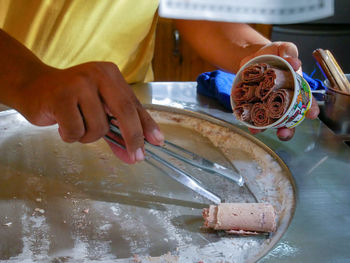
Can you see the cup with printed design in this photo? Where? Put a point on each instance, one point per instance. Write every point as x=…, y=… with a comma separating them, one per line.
x=268, y=93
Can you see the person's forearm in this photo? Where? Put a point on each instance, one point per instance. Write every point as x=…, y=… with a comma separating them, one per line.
x=222, y=44
x=17, y=65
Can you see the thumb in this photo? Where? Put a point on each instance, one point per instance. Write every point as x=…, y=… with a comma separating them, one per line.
x=289, y=52
x=294, y=62
x=287, y=49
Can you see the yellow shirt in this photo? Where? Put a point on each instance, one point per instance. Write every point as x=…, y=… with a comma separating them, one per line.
x=64, y=33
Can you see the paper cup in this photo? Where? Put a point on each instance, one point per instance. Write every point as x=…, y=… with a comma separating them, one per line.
x=302, y=97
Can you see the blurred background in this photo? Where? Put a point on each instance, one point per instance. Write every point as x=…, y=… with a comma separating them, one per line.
x=174, y=60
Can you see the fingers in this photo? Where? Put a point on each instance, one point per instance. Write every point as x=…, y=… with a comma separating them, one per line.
x=255, y=131
x=287, y=49
x=71, y=125
x=285, y=134
x=121, y=153
x=130, y=126
x=314, y=110
x=81, y=115
x=289, y=52
x=270, y=49
x=294, y=62
x=94, y=116
x=121, y=102
x=82, y=96
x=151, y=130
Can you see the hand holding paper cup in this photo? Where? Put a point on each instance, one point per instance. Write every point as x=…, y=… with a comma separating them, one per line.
x=267, y=93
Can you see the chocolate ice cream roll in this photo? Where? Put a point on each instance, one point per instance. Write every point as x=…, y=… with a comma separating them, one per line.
x=259, y=115
x=244, y=92
x=242, y=112
x=254, y=73
x=240, y=217
x=273, y=79
x=278, y=102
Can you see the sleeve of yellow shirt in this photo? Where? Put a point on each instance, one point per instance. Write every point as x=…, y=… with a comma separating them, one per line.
x=64, y=33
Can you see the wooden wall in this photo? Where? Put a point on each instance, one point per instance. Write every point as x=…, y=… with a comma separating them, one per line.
x=174, y=60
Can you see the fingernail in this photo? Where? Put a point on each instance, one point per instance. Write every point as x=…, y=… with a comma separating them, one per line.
x=158, y=135
x=284, y=135
x=139, y=156
x=286, y=55
x=288, y=52
x=285, y=138
x=312, y=114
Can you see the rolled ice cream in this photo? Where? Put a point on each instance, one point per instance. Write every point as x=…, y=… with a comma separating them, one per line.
x=262, y=95
x=241, y=218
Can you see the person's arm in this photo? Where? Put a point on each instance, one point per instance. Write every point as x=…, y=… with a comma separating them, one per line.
x=230, y=45
x=222, y=44
x=76, y=98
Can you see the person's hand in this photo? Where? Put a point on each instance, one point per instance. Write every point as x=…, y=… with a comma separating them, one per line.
x=78, y=99
x=289, y=52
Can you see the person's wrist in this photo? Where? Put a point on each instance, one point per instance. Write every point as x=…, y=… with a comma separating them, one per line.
x=22, y=90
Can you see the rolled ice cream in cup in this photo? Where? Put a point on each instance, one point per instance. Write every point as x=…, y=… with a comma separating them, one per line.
x=268, y=93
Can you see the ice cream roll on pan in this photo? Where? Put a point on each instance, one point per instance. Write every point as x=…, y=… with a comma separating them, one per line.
x=241, y=218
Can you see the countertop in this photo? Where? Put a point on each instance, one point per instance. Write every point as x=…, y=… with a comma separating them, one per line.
x=320, y=163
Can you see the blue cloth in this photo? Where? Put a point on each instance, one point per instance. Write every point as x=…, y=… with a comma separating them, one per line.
x=315, y=84
x=217, y=85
